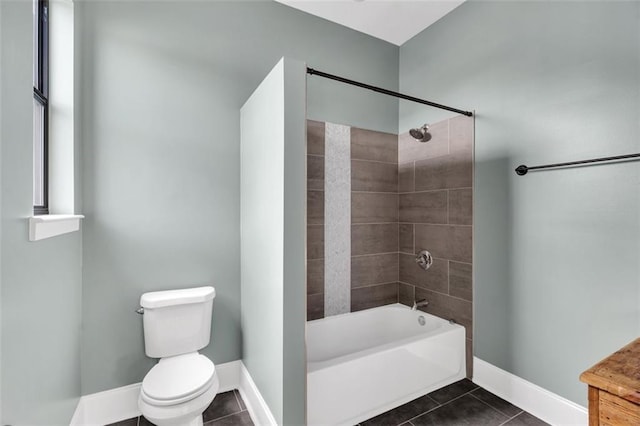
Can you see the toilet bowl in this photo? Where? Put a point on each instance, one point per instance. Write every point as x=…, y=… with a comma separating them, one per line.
x=177, y=390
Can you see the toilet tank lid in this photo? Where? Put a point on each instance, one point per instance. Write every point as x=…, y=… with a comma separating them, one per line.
x=159, y=299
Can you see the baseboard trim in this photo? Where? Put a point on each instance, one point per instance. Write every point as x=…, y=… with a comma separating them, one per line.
x=106, y=407
x=256, y=405
x=119, y=404
x=540, y=402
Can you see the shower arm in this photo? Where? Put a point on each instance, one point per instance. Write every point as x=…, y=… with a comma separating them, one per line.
x=312, y=71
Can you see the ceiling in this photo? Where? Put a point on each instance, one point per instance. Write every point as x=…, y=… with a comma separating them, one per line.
x=393, y=21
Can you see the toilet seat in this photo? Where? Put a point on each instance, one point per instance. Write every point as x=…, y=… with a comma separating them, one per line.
x=177, y=379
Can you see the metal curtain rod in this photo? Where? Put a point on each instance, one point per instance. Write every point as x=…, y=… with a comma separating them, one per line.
x=522, y=170
x=385, y=91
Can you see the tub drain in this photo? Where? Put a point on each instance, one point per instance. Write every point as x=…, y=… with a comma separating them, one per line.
x=421, y=320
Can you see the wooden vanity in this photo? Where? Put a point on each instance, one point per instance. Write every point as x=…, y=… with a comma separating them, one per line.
x=614, y=388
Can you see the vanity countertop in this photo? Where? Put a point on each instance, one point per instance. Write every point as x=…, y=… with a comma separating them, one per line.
x=618, y=374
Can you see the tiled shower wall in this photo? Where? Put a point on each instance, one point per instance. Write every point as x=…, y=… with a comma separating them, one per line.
x=406, y=196
x=374, y=219
x=315, y=220
x=435, y=189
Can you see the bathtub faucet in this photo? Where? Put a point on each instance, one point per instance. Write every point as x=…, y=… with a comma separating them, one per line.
x=419, y=303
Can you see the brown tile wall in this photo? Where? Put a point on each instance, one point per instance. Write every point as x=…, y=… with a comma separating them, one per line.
x=315, y=220
x=374, y=219
x=435, y=185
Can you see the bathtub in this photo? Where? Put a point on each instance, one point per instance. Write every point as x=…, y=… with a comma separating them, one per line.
x=364, y=363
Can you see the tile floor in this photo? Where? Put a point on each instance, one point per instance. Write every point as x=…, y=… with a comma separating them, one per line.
x=461, y=403
x=227, y=409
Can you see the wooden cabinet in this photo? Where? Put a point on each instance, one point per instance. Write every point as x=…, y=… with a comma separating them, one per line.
x=614, y=388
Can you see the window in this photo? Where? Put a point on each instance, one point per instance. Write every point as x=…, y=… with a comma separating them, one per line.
x=40, y=106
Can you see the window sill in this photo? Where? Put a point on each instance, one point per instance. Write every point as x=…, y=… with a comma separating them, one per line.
x=46, y=226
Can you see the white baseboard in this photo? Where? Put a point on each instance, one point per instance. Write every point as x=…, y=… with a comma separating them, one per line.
x=257, y=407
x=229, y=375
x=107, y=407
x=119, y=404
x=540, y=402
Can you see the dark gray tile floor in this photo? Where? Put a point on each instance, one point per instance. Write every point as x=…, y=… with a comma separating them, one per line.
x=461, y=403
x=227, y=409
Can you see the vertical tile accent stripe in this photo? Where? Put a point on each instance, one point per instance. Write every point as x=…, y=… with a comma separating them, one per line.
x=337, y=219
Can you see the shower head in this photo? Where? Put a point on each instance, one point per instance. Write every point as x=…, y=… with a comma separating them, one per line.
x=421, y=134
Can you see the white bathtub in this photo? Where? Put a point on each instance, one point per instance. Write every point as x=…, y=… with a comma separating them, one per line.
x=364, y=363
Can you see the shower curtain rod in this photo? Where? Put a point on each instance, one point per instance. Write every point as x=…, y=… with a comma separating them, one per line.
x=385, y=91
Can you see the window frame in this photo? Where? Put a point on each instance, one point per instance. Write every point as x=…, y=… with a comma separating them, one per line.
x=41, y=96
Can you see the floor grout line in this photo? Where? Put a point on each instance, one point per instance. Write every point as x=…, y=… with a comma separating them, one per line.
x=441, y=405
x=490, y=406
x=511, y=418
x=237, y=399
x=472, y=393
x=224, y=417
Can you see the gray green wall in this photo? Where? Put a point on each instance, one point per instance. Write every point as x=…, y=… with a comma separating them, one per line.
x=41, y=281
x=273, y=202
x=162, y=86
x=1, y=137
x=557, y=253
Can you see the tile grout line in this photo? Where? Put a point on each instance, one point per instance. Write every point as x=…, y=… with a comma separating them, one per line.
x=449, y=278
x=413, y=234
x=375, y=284
x=413, y=169
x=223, y=417
x=458, y=188
x=386, y=253
x=373, y=254
x=441, y=405
x=494, y=408
x=374, y=161
x=373, y=223
x=437, y=224
x=237, y=399
x=398, y=222
x=420, y=191
x=444, y=259
x=375, y=192
x=448, y=207
x=434, y=291
x=511, y=418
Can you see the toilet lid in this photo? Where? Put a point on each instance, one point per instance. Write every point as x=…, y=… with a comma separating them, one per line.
x=178, y=378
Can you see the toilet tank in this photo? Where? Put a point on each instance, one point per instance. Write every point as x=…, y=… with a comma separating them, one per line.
x=177, y=321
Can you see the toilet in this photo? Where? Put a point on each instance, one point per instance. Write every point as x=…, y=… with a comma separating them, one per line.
x=177, y=324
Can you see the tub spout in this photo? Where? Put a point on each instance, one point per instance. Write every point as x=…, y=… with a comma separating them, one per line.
x=419, y=303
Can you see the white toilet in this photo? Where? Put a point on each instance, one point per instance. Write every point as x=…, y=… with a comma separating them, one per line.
x=177, y=323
